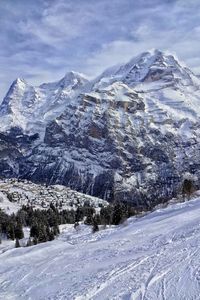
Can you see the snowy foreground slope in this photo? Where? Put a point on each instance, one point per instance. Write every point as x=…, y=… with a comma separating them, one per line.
x=153, y=257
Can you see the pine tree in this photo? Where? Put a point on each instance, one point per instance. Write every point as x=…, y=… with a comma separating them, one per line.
x=52, y=206
x=188, y=187
x=106, y=215
x=78, y=215
x=95, y=226
x=88, y=220
x=19, y=234
x=56, y=230
x=76, y=226
x=89, y=212
x=51, y=235
x=17, y=244
x=118, y=214
x=42, y=237
x=34, y=232
x=35, y=241
x=11, y=231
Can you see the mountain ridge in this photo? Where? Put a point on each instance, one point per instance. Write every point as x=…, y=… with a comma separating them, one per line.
x=122, y=136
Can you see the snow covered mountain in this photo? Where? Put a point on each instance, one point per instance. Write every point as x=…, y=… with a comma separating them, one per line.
x=151, y=66
x=153, y=257
x=131, y=134
x=31, y=108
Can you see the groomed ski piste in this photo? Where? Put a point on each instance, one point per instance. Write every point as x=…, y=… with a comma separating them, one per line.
x=154, y=257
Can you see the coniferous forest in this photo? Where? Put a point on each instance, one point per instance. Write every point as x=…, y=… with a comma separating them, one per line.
x=44, y=224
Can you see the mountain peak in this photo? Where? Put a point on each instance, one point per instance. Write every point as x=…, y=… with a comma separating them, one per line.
x=148, y=59
x=19, y=80
x=74, y=74
x=19, y=83
x=72, y=79
x=14, y=93
x=151, y=66
x=156, y=52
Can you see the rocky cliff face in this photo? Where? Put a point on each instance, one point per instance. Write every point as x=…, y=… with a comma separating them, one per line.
x=131, y=134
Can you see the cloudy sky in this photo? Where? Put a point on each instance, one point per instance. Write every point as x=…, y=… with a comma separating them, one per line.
x=40, y=40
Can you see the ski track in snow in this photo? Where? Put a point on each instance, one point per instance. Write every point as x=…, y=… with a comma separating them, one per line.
x=153, y=257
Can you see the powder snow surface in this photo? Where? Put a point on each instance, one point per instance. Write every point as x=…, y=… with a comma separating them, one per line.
x=154, y=257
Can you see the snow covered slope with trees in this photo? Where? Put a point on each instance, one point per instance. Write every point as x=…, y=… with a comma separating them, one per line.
x=153, y=257
x=14, y=194
x=131, y=134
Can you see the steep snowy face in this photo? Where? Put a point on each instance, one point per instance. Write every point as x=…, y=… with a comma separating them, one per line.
x=114, y=144
x=13, y=96
x=130, y=134
x=170, y=90
x=153, y=67
x=31, y=108
x=150, y=67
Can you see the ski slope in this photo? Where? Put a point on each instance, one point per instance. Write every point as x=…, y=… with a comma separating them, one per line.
x=155, y=257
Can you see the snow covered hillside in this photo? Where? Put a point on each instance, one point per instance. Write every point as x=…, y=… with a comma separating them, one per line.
x=155, y=257
x=14, y=194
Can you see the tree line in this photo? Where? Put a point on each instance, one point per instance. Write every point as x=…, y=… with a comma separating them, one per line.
x=44, y=224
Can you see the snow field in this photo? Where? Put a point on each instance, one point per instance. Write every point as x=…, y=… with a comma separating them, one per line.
x=153, y=257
